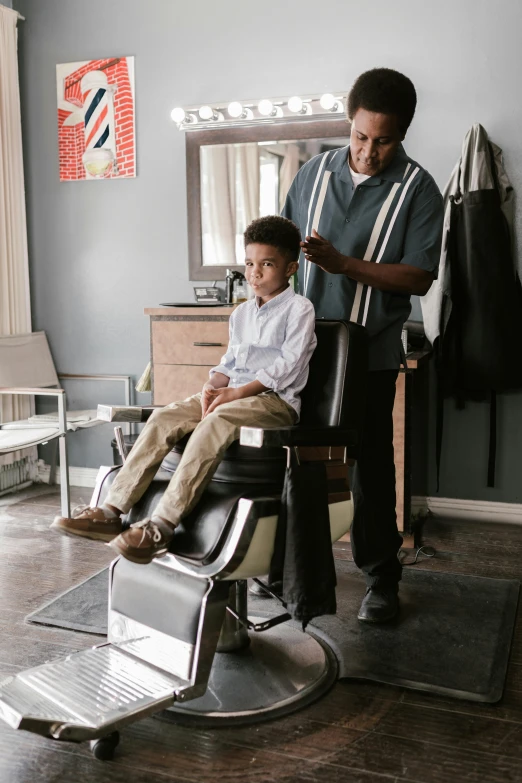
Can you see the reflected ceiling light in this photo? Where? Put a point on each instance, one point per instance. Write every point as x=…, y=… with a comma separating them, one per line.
x=179, y=115
x=239, y=112
x=298, y=106
x=207, y=113
x=330, y=103
x=267, y=109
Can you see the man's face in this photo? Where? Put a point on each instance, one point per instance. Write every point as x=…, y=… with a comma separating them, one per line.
x=373, y=141
x=267, y=270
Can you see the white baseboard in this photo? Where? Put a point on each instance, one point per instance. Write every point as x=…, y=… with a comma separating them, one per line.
x=471, y=510
x=78, y=477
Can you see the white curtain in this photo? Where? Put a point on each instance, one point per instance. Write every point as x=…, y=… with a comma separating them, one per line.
x=15, y=307
x=248, y=174
x=230, y=185
x=218, y=201
x=289, y=168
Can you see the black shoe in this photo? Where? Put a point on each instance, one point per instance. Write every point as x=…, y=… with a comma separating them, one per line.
x=379, y=605
x=257, y=590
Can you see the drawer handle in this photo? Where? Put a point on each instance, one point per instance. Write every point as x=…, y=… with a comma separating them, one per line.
x=209, y=345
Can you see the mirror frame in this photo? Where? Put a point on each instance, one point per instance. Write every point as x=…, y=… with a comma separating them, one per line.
x=294, y=130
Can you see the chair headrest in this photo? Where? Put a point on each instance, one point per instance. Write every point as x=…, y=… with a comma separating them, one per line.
x=336, y=388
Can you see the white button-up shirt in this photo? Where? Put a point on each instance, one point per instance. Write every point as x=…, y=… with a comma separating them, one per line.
x=271, y=344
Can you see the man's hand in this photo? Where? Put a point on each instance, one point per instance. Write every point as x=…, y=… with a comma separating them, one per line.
x=218, y=397
x=320, y=251
x=396, y=278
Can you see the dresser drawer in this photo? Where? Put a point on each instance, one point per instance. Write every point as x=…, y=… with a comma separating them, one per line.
x=189, y=342
x=174, y=382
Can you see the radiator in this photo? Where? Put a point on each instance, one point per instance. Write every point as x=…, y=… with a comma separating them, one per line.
x=17, y=473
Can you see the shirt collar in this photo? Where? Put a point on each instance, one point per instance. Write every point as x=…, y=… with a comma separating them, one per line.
x=394, y=172
x=277, y=300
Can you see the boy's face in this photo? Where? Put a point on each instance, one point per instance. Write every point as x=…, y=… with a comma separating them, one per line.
x=267, y=270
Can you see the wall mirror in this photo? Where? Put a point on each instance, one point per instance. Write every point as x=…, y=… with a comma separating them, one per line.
x=237, y=174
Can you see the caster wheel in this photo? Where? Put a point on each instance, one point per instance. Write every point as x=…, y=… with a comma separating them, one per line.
x=104, y=747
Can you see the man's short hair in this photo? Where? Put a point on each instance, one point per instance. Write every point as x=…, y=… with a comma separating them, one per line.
x=384, y=91
x=279, y=232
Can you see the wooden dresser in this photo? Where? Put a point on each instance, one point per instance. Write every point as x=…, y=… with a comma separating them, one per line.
x=187, y=341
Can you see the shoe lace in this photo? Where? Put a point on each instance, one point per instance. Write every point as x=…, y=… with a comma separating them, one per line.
x=77, y=510
x=149, y=528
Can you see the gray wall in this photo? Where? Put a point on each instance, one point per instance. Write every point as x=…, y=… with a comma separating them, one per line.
x=101, y=251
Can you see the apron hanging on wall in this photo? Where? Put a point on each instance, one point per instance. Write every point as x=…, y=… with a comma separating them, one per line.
x=474, y=314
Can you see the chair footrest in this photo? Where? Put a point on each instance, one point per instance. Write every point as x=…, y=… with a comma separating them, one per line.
x=87, y=694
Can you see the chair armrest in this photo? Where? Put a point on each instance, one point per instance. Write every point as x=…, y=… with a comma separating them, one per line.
x=32, y=392
x=131, y=413
x=299, y=436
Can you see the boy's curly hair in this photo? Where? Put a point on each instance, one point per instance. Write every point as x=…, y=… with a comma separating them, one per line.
x=384, y=91
x=279, y=232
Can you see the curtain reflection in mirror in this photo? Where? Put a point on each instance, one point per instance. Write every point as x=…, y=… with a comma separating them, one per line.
x=244, y=181
x=289, y=168
x=230, y=190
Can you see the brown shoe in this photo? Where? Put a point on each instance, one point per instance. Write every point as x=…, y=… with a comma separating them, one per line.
x=88, y=522
x=143, y=541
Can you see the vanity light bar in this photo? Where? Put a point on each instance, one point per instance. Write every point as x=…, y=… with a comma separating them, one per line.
x=236, y=113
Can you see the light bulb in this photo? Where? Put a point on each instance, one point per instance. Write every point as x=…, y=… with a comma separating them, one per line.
x=178, y=114
x=328, y=102
x=295, y=104
x=206, y=113
x=265, y=107
x=235, y=109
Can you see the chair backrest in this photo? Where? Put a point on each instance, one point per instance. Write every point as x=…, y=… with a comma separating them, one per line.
x=26, y=361
x=336, y=390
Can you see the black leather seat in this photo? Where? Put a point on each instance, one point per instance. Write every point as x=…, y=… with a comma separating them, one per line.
x=200, y=534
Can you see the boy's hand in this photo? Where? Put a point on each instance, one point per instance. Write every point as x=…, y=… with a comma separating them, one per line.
x=219, y=397
x=207, y=395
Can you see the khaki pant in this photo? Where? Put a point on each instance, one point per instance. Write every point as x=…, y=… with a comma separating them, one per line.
x=210, y=439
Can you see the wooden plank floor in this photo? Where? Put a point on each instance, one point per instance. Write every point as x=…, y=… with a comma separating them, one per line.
x=358, y=733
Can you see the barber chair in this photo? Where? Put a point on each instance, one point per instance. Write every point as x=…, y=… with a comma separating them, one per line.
x=180, y=641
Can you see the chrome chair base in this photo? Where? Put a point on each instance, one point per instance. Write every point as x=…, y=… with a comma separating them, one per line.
x=281, y=671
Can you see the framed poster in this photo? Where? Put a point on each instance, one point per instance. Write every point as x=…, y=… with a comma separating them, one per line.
x=96, y=127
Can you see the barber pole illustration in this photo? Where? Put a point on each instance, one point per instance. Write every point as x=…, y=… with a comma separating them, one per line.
x=98, y=117
x=96, y=128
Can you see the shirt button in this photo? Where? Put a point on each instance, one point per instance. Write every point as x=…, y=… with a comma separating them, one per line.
x=347, y=220
x=330, y=285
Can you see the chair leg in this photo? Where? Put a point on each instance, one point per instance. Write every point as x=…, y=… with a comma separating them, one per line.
x=64, y=478
x=53, y=445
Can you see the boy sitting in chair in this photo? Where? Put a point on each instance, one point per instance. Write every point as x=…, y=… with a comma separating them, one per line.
x=258, y=383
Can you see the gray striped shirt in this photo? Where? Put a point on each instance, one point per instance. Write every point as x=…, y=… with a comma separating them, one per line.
x=394, y=217
x=271, y=344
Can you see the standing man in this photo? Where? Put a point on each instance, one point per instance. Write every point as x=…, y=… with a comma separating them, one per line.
x=372, y=221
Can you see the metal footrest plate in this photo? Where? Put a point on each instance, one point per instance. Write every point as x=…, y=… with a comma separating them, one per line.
x=86, y=695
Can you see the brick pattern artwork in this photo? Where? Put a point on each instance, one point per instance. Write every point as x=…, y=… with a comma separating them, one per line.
x=96, y=127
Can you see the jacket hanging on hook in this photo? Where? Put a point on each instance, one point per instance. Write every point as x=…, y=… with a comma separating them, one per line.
x=473, y=313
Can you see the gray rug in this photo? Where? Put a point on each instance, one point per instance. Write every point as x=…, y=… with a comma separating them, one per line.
x=80, y=608
x=452, y=637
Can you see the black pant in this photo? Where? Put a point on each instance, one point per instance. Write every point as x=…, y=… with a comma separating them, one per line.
x=374, y=536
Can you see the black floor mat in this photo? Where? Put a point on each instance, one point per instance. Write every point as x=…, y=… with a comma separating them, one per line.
x=453, y=634
x=80, y=608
